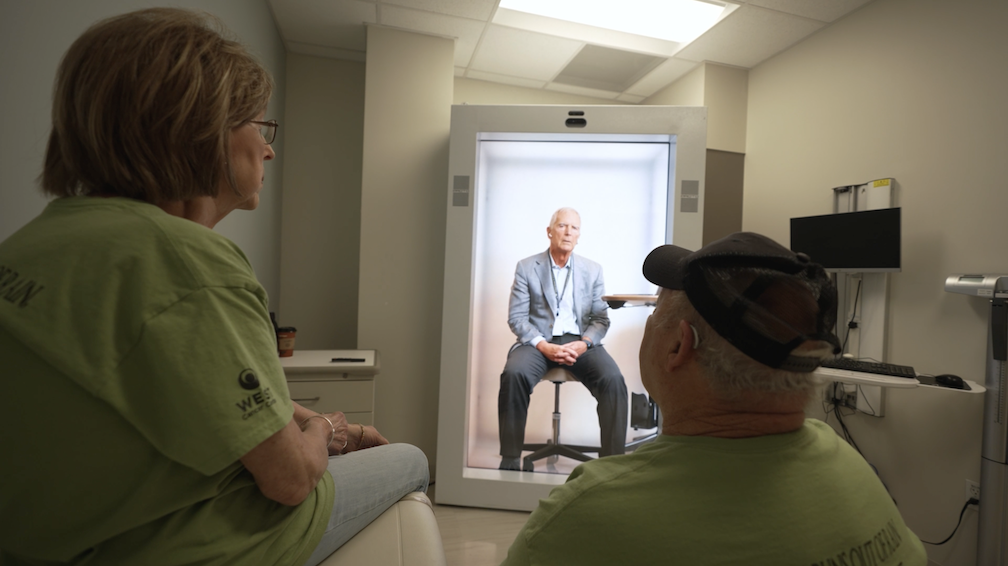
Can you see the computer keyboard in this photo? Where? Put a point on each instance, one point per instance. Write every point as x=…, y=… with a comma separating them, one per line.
x=878, y=368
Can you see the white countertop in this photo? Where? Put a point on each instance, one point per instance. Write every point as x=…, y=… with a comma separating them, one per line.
x=861, y=378
x=352, y=362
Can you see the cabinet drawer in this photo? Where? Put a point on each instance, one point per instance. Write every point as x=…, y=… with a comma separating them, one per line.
x=362, y=418
x=331, y=396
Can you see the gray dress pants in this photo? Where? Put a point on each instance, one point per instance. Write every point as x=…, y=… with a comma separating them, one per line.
x=595, y=369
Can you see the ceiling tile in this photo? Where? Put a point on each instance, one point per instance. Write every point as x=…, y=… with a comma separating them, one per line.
x=502, y=52
x=320, y=22
x=593, y=92
x=663, y=75
x=524, y=54
x=606, y=69
x=466, y=32
x=504, y=79
x=473, y=9
x=749, y=36
x=822, y=10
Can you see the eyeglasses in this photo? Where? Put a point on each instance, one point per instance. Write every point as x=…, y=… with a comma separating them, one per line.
x=267, y=130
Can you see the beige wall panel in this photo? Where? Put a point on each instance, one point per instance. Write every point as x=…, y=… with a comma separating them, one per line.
x=472, y=91
x=722, y=194
x=925, y=461
x=319, y=266
x=687, y=91
x=915, y=91
x=876, y=96
x=407, y=118
x=726, y=99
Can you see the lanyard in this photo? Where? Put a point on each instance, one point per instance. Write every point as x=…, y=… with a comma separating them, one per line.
x=560, y=294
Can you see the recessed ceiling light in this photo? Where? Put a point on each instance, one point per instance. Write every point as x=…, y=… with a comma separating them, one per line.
x=671, y=20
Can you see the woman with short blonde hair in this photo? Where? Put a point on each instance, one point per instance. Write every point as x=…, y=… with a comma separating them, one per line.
x=143, y=104
x=146, y=415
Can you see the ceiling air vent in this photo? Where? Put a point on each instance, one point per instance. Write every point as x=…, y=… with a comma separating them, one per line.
x=602, y=68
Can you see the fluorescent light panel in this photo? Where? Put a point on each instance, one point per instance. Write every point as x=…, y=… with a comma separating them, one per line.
x=671, y=20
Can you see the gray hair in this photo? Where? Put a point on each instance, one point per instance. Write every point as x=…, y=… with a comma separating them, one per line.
x=559, y=211
x=730, y=373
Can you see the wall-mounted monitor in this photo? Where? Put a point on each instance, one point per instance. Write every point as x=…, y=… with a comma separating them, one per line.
x=866, y=241
x=635, y=175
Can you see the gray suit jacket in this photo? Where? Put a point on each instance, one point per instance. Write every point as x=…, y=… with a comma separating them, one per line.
x=533, y=300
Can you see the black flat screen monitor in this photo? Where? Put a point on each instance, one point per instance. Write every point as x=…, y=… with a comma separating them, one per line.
x=866, y=241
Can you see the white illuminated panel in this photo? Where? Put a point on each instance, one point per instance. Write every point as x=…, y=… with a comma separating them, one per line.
x=671, y=20
x=620, y=191
x=510, y=167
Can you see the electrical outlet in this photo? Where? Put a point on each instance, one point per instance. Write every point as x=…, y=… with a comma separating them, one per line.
x=842, y=394
x=830, y=394
x=972, y=490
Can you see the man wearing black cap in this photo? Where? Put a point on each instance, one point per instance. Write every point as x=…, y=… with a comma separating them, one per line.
x=738, y=476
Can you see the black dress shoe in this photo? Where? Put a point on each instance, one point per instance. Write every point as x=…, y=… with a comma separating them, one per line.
x=511, y=464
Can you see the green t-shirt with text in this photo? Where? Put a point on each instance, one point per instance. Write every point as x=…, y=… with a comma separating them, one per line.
x=804, y=498
x=139, y=366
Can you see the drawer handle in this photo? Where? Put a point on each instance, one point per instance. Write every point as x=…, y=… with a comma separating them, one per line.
x=306, y=400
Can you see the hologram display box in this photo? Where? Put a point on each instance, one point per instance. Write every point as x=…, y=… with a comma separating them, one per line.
x=635, y=174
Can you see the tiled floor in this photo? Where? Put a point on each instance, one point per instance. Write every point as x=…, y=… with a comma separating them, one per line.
x=489, y=458
x=477, y=537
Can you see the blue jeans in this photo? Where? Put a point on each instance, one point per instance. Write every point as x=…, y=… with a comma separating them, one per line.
x=367, y=483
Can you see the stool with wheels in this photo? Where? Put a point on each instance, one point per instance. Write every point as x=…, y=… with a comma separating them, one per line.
x=553, y=447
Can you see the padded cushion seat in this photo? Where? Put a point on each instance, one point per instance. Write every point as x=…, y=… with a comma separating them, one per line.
x=406, y=534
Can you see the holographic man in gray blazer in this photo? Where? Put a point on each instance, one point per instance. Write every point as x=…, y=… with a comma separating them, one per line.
x=557, y=312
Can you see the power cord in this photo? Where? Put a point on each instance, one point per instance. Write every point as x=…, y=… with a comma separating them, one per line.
x=851, y=323
x=972, y=501
x=834, y=404
x=846, y=433
x=838, y=399
x=835, y=400
x=862, y=396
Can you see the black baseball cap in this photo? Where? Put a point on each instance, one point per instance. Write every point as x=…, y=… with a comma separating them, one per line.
x=776, y=306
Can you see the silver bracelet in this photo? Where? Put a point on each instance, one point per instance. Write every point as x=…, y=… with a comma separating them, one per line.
x=332, y=435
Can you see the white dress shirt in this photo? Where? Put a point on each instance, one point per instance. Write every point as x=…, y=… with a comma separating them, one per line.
x=565, y=321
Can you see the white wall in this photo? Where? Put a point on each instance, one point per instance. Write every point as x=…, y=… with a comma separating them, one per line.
x=472, y=91
x=908, y=89
x=407, y=117
x=688, y=90
x=33, y=37
x=915, y=90
x=320, y=261
x=723, y=90
x=726, y=97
